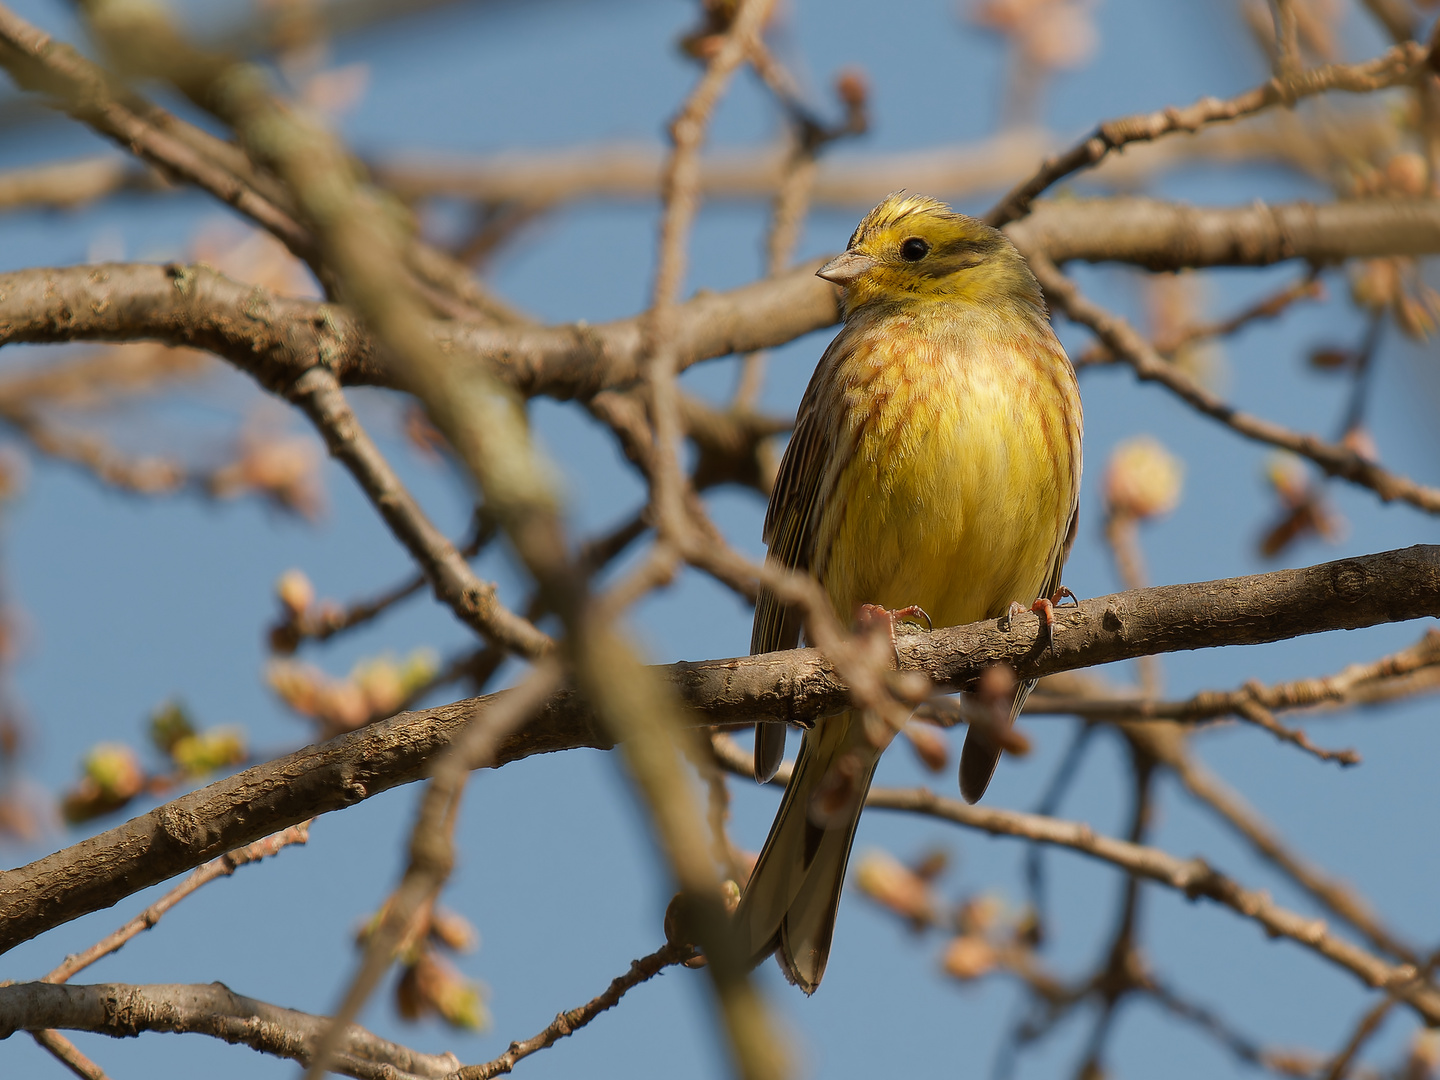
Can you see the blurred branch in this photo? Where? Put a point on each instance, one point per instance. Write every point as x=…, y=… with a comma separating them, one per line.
x=364, y=247
x=785, y=687
x=1125, y=343
x=855, y=180
x=1395, y=16
x=90, y=453
x=1193, y=877
x=567, y=1023
x=189, y=154
x=123, y=1011
x=535, y=179
x=1400, y=65
x=1307, y=287
x=1338, y=896
x=64, y=185
x=179, y=150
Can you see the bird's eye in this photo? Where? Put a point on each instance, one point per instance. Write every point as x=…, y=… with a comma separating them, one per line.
x=914, y=249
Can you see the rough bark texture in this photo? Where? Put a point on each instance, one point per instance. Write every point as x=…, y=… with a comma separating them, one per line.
x=795, y=687
x=209, y=1009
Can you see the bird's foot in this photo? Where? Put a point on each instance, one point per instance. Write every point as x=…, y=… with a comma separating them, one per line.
x=875, y=615
x=1044, y=607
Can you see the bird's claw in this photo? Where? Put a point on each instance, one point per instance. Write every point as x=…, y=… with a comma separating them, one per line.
x=1045, y=608
x=871, y=614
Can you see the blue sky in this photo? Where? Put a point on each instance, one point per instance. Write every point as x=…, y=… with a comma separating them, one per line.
x=126, y=602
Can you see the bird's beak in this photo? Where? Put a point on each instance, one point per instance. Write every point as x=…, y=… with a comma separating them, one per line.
x=843, y=269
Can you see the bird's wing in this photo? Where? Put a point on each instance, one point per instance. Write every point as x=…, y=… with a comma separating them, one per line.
x=793, y=513
x=790, y=535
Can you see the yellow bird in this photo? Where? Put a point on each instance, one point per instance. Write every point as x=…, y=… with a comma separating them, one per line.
x=935, y=462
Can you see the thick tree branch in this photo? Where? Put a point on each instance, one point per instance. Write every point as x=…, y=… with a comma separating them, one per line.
x=123, y=1011
x=276, y=339
x=1171, y=236
x=793, y=687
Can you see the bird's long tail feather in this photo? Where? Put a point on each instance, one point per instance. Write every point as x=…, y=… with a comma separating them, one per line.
x=790, y=904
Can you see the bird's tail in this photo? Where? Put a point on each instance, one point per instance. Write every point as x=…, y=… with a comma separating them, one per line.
x=980, y=754
x=789, y=906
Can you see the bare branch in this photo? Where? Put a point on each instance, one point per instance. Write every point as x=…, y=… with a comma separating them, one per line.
x=189, y=154
x=1336, y=895
x=1260, y=716
x=1396, y=67
x=1194, y=877
x=1378, y=680
x=214, y=1009
x=475, y=602
x=84, y=90
x=69, y=1055
x=224, y=866
x=1171, y=236
x=786, y=687
x=856, y=180
x=323, y=621
x=567, y=1023
x=1125, y=343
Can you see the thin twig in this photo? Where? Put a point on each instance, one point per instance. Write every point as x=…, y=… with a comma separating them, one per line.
x=69, y=1055
x=1337, y=896
x=1356, y=684
x=1397, y=66
x=679, y=193
x=61, y=1047
x=1122, y=339
x=1369, y=1024
x=319, y=396
x=325, y=621
x=1277, y=303
x=1257, y=714
x=224, y=866
x=567, y=1023
x=1193, y=877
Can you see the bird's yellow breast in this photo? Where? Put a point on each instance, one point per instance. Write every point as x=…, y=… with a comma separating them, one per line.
x=957, y=465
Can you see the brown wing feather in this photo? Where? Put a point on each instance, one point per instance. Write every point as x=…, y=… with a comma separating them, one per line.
x=790, y=536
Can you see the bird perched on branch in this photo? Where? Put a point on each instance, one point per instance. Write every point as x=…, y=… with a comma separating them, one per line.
x=935, y=463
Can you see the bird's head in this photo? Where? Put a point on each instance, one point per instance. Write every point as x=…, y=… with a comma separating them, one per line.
x=912, y=249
